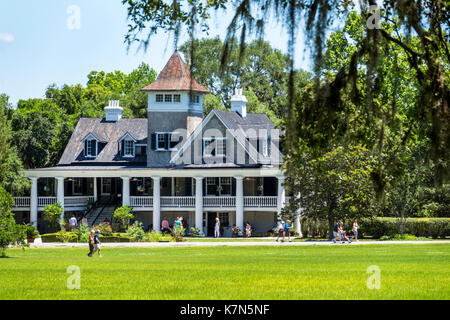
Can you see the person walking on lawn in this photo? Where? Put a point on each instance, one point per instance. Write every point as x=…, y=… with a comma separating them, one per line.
x=91, y=243
x=287, y=227
x=281, y=226
x=97, y=244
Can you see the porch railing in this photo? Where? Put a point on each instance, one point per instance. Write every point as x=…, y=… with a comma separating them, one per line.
x=45, y=201
x=21, y=202
x=260, y=202
x=147, y=202
x=139, y=202
x=221, y=202
x=178, y=202
x=24, y=202
x=80, y=201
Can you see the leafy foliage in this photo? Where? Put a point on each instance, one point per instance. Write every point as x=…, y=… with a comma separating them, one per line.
x=123, y=215
x=52, y=214
x=10, y=232
x=136, y=230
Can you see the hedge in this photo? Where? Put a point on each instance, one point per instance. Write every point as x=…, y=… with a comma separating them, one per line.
x=117, y=239
x=378, y=227
x=51, y=237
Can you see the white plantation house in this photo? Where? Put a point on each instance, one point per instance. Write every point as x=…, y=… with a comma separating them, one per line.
x=174, y=163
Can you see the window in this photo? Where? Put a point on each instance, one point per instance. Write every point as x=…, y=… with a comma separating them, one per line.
x=176, y=98
x=77, y=186
x=161, y=141
x=128, y=148
x=211, y=186
x=168, y=98
x=165, y=141
x=195, y=99
x=221, y=146
x=218, y=186
x=214, y=146
x=159, y=98
x=91, y=148
x=225, y=183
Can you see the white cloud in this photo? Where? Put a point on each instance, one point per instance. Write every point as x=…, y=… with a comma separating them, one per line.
x=6, y=37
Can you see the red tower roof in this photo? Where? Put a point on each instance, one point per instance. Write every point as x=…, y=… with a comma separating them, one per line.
x=175, y=76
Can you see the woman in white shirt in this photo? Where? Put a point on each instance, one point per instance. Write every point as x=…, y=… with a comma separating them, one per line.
x=355, y=228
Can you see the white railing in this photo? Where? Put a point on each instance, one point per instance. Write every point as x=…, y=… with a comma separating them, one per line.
x=141, y=202
x=264, y=202
x=219, y=201
x=80, y=201
x=21, y=202
x=45, y=201
x=178, y=202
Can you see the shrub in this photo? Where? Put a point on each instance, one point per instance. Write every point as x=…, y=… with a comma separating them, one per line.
x=123, y=215
x=153, y=236
x=116, y=239
x=104, y=228
x=52, y=214
x=82, y=233
x=10, y=232
x=32, y=233
x=195, y=232
x=178, y=233
x=136, y=230
x=379, y=227
x=65, y=236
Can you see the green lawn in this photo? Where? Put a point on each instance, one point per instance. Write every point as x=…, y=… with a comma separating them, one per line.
x=408, y=271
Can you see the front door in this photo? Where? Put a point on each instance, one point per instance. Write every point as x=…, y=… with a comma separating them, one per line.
x=106, y=186
x=211, y=223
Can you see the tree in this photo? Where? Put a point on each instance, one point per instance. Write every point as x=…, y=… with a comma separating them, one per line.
x=10, y=232
x=11, y=176
x=335, y=186
x=419, y=30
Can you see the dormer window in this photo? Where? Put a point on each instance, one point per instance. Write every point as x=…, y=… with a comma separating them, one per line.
x=128, y=143
x=90, y=146
x=128, y=148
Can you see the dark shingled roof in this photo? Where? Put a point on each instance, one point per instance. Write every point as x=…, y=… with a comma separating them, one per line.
x=175, y=76
x=109, y=132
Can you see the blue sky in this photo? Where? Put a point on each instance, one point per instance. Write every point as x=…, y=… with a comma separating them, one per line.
x=37, y=47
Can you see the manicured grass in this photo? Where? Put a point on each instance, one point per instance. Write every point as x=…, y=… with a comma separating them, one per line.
x=408, y=271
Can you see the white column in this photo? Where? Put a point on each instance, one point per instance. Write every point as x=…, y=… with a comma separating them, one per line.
x=281, y=195
x=172, y=187
x=34, y=201
x=95, y=190
x=156, y=203
x=125, y=191
x=240, y=202
x=199, y=203
x=60, y=195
